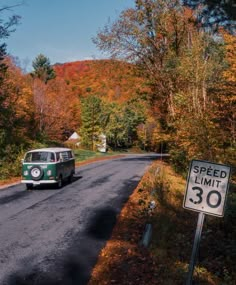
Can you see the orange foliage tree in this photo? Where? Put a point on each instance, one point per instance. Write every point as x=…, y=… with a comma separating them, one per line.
x=56, y=107
x=18, y=102
x=62, y=110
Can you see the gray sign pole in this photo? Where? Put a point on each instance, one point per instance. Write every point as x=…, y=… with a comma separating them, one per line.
x=197, y=239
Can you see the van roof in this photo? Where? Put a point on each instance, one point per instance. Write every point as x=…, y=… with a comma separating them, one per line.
x=52, y=149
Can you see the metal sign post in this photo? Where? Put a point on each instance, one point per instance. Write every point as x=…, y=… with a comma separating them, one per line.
x=206, y=193
x=197, y=239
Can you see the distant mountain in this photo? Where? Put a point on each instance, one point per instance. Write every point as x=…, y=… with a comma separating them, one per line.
x=115, y=80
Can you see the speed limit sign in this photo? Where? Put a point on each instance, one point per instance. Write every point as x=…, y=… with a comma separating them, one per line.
x=207, y=187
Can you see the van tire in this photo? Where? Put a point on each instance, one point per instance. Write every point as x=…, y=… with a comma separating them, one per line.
x=69, y=179
x=59, y=182
x=29, y=186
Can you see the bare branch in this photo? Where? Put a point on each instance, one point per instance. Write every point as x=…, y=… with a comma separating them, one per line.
x=8, y=8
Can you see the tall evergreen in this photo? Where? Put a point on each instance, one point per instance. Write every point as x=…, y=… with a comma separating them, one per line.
x=43, y=69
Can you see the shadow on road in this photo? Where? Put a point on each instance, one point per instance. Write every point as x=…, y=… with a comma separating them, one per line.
x=102, y=224
x=74, y=267
x=15, y=196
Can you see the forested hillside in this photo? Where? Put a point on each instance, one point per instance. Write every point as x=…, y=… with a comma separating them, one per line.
x=112, y=100
x=111, y=79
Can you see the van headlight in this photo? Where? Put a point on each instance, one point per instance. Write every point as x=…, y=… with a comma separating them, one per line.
x=26, y=172
x=49, y=172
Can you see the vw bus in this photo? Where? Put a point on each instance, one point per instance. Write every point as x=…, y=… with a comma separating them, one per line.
x=47, y=166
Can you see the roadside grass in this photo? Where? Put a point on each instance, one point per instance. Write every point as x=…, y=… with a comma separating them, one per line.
x=165, y=262
x=82, y=154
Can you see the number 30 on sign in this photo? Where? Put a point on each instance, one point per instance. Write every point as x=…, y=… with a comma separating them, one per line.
x=207, y=187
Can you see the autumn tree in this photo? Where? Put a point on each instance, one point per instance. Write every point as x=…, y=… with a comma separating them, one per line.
x=120, y=121
x=151, y=136
x=56, y=107
x=61, y=110
x=42, y=74
x=134, y=113
x=224, y=92
x=181, y=62
x=91, y=121
x=112, y=124
x=6, y=111
x=6, y=27
x=153, y=36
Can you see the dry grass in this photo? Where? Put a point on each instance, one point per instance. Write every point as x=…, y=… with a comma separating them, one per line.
x=10, y=181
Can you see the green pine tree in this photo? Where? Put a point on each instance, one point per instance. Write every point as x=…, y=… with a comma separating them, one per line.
x=91, y=121
x=43, y=69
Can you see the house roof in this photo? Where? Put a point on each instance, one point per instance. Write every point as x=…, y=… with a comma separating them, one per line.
x=74, y=136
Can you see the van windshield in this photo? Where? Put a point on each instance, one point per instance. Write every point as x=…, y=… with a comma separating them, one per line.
x=40, y=156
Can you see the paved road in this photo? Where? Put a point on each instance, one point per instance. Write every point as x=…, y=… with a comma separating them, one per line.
x=53, y=237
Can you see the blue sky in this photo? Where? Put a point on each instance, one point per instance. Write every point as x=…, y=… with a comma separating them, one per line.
x=60, y=29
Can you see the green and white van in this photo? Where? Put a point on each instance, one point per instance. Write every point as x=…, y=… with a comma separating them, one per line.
x=48, y=166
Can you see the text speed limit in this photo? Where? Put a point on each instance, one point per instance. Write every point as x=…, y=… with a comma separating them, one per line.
x=207, y=186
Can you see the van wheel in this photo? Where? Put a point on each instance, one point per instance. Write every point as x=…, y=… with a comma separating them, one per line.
x=29, y=186
x=70, y=178
x=59, y=182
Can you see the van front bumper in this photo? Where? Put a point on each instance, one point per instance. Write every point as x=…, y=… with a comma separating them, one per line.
x=38, y=182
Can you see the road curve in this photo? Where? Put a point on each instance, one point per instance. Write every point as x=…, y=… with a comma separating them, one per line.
x=53, y=237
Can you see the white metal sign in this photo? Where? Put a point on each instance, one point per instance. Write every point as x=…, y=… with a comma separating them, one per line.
x=207, y=187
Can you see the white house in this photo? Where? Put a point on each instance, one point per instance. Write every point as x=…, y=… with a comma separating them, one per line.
x=74, y=136
x=74, y=139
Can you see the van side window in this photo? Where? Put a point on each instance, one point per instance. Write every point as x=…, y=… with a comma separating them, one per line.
x=64, y=155
x=58, y=156
x=51, y=157
x=69, y=154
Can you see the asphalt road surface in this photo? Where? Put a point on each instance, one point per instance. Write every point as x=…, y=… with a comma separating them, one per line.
x=53, y=237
